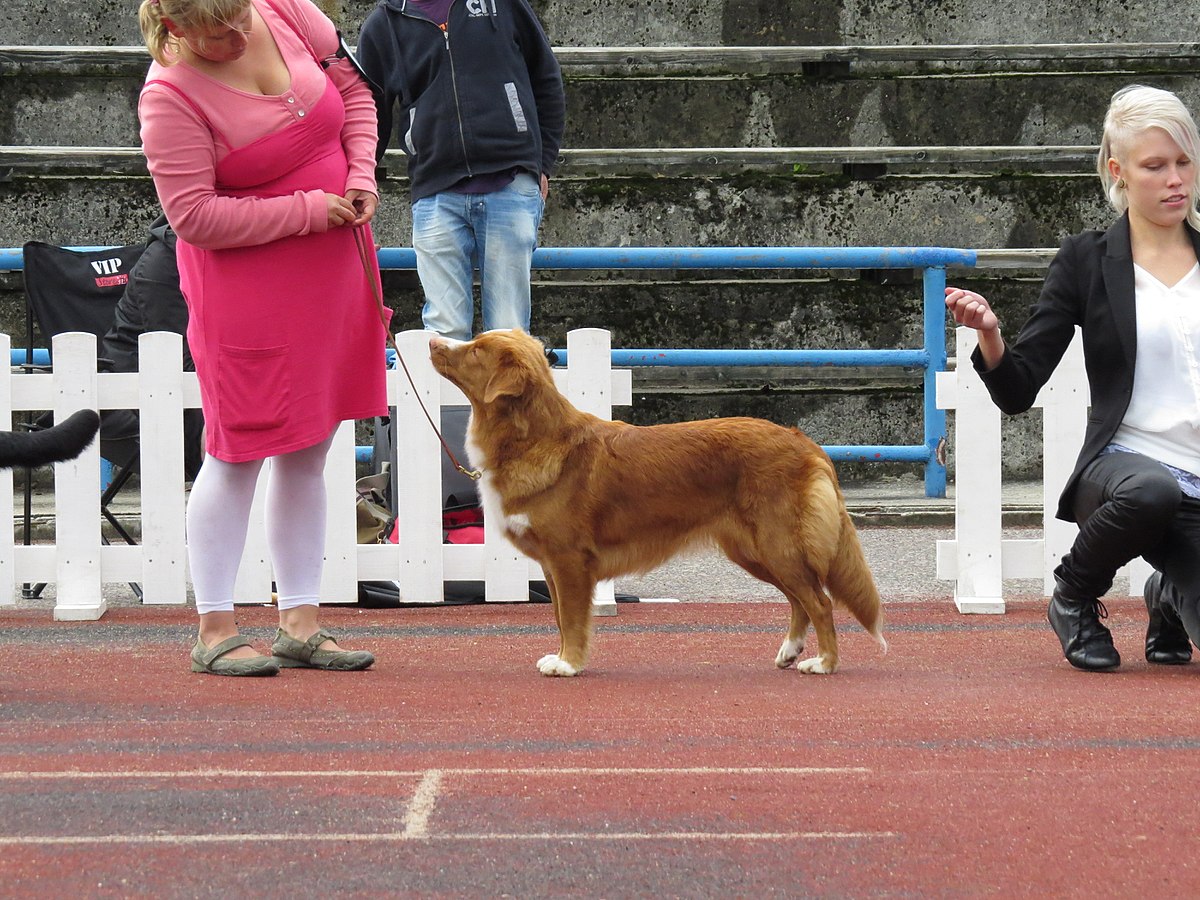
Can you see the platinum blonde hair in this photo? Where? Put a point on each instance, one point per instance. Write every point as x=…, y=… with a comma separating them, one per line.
x=186, y=14
x=1134, y=110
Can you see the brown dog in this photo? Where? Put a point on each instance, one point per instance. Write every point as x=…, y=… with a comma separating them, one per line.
x=590, y=499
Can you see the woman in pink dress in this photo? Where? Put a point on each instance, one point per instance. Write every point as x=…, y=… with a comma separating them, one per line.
x=261, y=142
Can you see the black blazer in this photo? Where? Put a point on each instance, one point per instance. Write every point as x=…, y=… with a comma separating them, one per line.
x=1089, y=284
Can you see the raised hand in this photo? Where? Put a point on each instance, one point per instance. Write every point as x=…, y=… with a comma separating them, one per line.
x=971, y=309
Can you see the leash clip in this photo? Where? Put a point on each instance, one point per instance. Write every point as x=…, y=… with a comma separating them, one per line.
x=473, y=474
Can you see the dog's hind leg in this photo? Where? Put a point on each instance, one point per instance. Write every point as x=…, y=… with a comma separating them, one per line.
x=813, y=600
x=792, y=564
x=793, y=644
x=809, y=603
x=571, y=590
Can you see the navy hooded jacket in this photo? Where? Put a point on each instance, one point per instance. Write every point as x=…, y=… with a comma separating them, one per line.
x=483, y=96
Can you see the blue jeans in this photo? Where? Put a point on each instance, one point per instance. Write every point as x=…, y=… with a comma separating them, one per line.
x=454, y=233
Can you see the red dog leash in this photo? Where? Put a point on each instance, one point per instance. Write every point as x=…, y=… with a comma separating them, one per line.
x=364, y=254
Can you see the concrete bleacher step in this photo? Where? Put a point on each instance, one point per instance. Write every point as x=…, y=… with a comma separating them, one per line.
x=743, y=59
x=999, y=210
x=27, y=159
x=751, y=144
x=786, y=145
x=611, y=23
x=702, y=96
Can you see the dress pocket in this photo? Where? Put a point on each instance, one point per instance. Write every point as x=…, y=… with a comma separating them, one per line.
x=254, y=388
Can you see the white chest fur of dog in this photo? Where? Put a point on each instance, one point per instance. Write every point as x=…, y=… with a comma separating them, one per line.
x=590, y=499
x=514, y=525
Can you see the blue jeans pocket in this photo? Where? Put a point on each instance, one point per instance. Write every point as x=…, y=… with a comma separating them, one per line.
x=253, y=387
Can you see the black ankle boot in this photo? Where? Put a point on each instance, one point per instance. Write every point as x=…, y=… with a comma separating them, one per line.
x=1086, y=643
x=1166, y=640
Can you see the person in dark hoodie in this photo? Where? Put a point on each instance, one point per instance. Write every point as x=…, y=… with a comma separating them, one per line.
x=474, y=95
x=152, y=301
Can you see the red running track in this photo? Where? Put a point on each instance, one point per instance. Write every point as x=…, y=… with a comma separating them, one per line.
x=971, y=761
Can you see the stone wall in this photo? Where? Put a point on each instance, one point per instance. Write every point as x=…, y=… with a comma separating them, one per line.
x=617, y=23
x=706, y=109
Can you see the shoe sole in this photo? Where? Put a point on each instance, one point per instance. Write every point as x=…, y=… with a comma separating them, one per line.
x=1108, y=668
x=264, y=672
x=288, y=663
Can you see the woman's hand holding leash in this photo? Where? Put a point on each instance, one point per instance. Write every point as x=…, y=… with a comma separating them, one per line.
x=365, y=203
x=339, y=210
x=356, y=208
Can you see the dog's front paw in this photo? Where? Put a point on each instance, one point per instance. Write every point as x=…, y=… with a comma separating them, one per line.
x=552, y=664
x=789, y=652
x=815, y=666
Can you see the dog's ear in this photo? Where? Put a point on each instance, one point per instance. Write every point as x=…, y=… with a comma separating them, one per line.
x=507, y=381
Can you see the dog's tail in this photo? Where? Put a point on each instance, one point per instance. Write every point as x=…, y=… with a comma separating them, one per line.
x=850, y=581
x=64, y=441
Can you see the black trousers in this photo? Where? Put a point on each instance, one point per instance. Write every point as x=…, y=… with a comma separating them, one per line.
x=1128, y=505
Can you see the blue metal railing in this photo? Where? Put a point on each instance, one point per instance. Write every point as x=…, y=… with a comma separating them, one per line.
x=930, y=357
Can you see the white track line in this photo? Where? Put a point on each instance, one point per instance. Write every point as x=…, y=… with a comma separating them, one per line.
x=420, y=773
x=420, y=807
x=403, y=836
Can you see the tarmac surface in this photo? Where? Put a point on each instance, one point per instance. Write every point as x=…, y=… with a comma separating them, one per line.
x=969, y=761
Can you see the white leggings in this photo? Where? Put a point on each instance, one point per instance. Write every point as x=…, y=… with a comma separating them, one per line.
x=218, y=516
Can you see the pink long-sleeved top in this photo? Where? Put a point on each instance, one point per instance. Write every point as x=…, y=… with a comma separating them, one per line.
x=183, y=151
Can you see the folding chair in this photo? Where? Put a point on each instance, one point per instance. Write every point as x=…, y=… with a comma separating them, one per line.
x=73, y=290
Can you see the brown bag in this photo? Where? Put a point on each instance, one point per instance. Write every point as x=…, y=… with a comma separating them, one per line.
x=375, y=521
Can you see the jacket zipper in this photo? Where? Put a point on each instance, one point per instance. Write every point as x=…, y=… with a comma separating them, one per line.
x=462, y=136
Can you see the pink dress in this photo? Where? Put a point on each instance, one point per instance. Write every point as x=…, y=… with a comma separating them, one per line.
x=283, y=325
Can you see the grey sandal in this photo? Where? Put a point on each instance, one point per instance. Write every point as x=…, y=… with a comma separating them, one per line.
x=293, y=654
x=211, y=659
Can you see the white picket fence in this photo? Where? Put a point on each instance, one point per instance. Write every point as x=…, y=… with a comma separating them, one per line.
x=79, y=564
x=979, y=559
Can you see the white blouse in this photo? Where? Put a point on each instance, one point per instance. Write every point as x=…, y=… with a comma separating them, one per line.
x=1163, y=418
